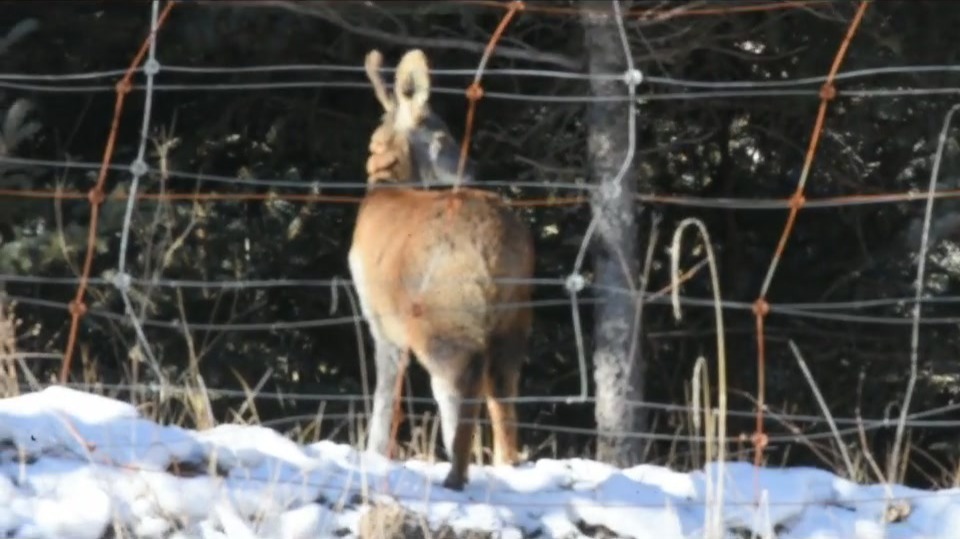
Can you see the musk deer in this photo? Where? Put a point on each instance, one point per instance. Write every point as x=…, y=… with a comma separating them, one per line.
x=444, y=274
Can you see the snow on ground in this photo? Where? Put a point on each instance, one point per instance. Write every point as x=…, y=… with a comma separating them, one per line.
x=77, y=465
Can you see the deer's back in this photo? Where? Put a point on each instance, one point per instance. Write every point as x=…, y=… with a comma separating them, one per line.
x=427, y=264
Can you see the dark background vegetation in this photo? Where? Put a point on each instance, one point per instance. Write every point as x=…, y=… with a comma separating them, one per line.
x=318, y=132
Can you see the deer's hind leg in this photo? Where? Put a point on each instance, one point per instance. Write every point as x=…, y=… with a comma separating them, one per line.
x=389, y=360
x=456, y=378
x=502, y=381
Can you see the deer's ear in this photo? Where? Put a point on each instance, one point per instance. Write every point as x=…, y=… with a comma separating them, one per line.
x=412, y=86
x=372, y=64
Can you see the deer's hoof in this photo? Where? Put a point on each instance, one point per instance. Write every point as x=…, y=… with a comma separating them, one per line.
x=454, y=482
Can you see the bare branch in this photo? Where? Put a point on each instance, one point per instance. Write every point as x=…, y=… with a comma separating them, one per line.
x=331, y=16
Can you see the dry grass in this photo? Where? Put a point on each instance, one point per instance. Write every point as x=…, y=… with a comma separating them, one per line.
x=389, y=521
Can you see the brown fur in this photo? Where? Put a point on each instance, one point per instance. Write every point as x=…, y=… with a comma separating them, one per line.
x=427, y=266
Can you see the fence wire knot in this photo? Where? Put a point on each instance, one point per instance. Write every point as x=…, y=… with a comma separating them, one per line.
x=574, y=283
x=138, y=167
x=122, y=281
x=761, y=307
x=475, y=92
x=77, y=308
x=124, y=87
x=151, y=67
x=797, y=201
x=633, y=77
x=828, y=91
x=760, y=440
x=95, y=196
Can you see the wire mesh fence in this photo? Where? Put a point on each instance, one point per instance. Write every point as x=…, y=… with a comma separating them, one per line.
x=146, y=78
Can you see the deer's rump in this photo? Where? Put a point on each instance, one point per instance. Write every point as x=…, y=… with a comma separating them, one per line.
x=430, y=266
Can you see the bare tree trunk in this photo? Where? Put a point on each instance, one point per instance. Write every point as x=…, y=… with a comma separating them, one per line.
x=618, y=370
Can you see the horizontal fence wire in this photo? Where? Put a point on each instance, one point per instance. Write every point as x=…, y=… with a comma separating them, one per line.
x=817, y=311
x=674, y=200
